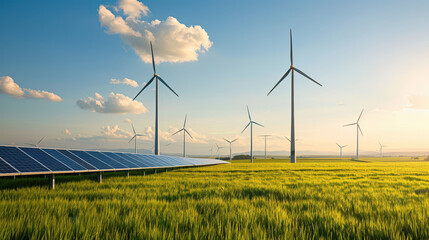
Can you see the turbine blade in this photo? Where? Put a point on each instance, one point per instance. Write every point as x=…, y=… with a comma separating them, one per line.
x=167, y=85
x=345, y=146
x=140, y=135
x=234, y=140
x=258, y=124
x=248, y=112
x=145, y=86
x=291, y=54
x=153, y=60
x=359, y=116
x=30, y=144
x=188, y=134
x=184, y=123
x=177, y=132
x=360, y=129
x=226, y=140
x=305, y=75
x=132, y=138
x=339, y=145
x=40, y=141
x=246, y=127
x=287, y=138
x=351, y=124
x=281, y=79
x=133, y=129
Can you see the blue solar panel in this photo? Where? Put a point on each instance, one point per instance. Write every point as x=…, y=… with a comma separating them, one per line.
x=120, y=159
x=6, y=168
x=106, y=159
x=142, y=162
x=158, y=160
x=77, y=159
x=65, y=160
x=45, y=159
x=21, y=161
x=91, y=160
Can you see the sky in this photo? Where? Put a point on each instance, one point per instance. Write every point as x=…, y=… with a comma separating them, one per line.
x=70, y=69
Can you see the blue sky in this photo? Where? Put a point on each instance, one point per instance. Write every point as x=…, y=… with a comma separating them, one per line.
x=370, y=55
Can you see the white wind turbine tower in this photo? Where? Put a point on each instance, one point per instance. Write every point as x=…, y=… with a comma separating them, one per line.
x=157, y=78
x=265, y=136
x=37, y=144
x=381, y=149
x=230, y=146
x=218, y=150
x=184, y=135
x=341, y=149
x=251, y=133
x=135, y=138
x=357, y=133
x=292, y=70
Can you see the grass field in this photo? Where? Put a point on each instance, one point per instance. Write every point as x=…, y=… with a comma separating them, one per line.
x=272, y=199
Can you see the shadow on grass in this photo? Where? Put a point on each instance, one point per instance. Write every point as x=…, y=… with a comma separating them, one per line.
x=43, y=180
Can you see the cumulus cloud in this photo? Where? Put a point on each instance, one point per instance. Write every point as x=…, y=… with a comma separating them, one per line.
x=125, y=81
x=9, y=87
x=116, y=103
x=67, y=132
x=115, y=132
x=172, y=40
x=418, y=102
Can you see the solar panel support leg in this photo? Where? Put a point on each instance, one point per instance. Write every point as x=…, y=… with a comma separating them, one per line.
x=100, y=177
x=52, y=181
x=144, y=172
x=166, y=170
x=155, y=170
x=127, y=174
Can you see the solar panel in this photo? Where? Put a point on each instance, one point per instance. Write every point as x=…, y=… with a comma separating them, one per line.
x=6, y=168
x=45, y=159
x=65, y=160
x=77, y=159
x=21, y=161
x=91, y=160
x=157, y=160
x=107, y=159
x=135, y=160
x=120, y=159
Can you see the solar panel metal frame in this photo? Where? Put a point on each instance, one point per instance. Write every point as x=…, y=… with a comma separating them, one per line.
x=67, y=171
x=139, y=156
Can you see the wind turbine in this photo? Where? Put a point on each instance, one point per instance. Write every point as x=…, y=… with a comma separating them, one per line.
x=37, y=144
x=292, y=70
x=251, y=133
x=381, y=149
x=357, y=133
x=157, y=78
x=341, y=149
x=218, y=152
x=135, y=138
x=265, y=136
x=184, y=135
x=230, y=146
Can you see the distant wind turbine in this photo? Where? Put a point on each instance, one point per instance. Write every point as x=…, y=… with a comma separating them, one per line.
x=157, y=78
x=292, y=70
x=341, y=149
x=265, y=136
x=357, y=133
x=37, y=144
x=381, y=149
x=135, y=138
x=218, y=150
x=230, y=146
x=184, y=136
x=251, y=133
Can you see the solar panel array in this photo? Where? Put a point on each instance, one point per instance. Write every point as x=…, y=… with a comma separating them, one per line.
x=33, y=161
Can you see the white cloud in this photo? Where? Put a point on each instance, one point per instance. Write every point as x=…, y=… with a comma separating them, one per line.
x=98, y=96
x=133, y=8
x=125, y=81
x=115, y=25
x=9, y=87
x=116, y=103
x=172, y=40
x=67, y=132
x=418, y=102
x=115, y=132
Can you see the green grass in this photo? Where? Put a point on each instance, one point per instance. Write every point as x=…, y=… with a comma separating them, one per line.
x=272, y=199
